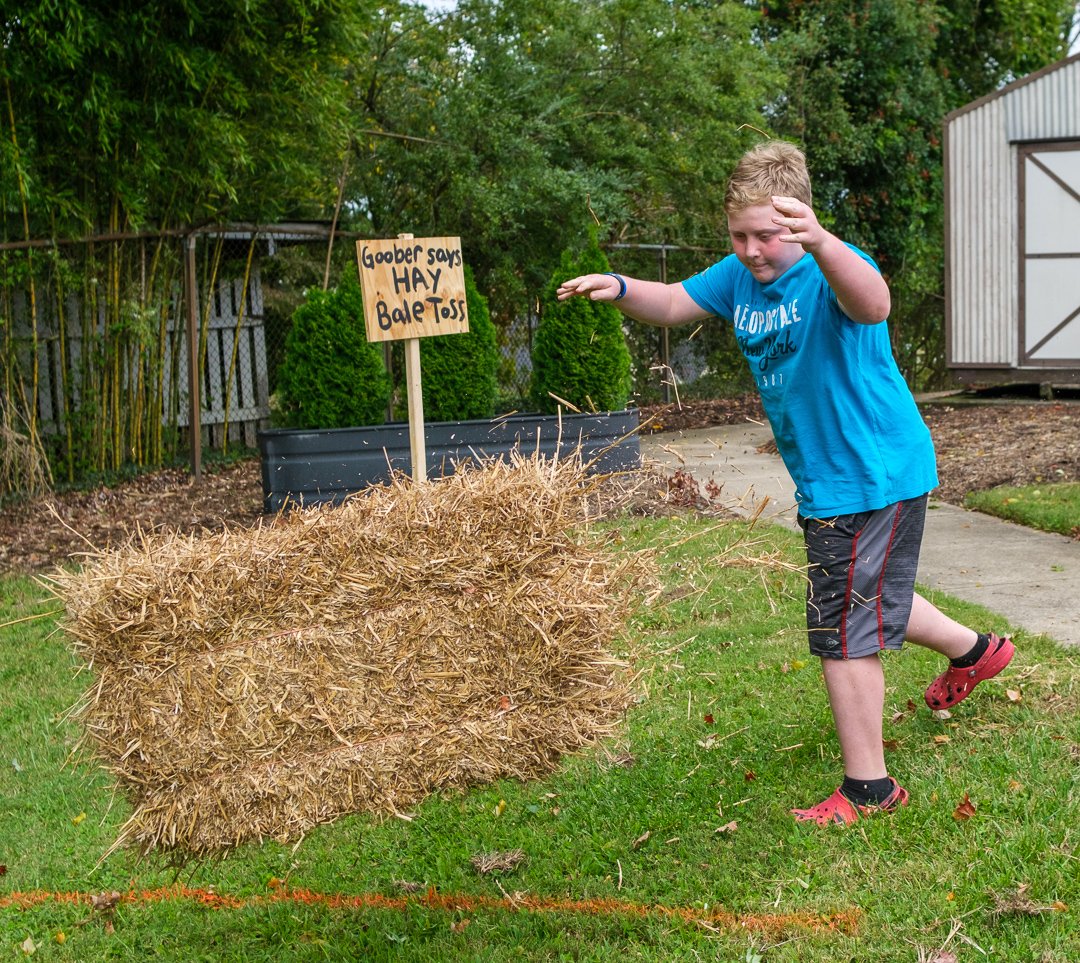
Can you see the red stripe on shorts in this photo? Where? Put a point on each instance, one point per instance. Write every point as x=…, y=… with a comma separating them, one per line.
x=847, y=593
x=881, y=576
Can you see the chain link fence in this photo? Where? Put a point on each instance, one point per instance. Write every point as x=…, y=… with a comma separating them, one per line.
x=96, y=338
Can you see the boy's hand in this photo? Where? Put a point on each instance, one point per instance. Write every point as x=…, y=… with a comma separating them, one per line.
x=595, y=287
x=800, y=219
x=860, y=289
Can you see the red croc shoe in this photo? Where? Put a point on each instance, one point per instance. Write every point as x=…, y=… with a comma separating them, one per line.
x=954, y=685
x=841, y=810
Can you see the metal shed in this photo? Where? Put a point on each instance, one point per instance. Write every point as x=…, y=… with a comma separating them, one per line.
x=1012, y=231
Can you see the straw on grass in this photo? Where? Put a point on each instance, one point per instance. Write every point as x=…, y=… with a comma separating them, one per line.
x=251, y=685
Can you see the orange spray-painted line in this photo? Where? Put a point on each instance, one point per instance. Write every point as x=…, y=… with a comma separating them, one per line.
x=845, y=921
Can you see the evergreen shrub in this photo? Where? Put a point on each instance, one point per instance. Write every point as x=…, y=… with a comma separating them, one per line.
x=458, y=372
x=331, y=376
x=579, y=349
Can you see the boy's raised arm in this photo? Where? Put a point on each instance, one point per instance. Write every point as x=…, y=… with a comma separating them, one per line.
x=860, y=289
x=650, y=301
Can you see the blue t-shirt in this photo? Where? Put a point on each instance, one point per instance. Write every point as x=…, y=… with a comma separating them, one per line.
x=844, y=420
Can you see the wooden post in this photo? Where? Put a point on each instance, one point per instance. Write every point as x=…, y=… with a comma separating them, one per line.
x=194, y=394
x=413, y=288
x=666, y=350
x=417, y=442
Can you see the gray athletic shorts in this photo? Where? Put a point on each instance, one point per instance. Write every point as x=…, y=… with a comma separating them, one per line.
x=861, y=578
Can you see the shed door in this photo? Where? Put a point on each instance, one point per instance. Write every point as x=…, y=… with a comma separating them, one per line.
x=1050, y=254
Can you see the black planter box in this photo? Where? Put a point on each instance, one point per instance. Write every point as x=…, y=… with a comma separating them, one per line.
x=302, y=467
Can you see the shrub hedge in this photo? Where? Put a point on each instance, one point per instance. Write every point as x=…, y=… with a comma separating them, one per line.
x=331, y=376
x=459, y=371
x=579, y=349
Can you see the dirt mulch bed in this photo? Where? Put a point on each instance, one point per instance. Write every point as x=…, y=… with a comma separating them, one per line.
x=979, y=446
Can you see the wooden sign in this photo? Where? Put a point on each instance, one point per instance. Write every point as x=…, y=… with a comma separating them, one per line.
x=414, y=287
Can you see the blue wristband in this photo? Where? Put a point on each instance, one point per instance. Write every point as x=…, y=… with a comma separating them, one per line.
x=622, y=285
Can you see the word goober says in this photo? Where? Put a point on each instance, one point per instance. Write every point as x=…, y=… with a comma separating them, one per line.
x=413, y=287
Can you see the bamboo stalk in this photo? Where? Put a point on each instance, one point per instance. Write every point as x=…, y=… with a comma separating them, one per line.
x=65, y=374
x=117, y=448
x=236, y=341
x=31, y=414
x=163, y=322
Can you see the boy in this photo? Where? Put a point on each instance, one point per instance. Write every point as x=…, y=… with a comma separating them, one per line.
x=809, y=313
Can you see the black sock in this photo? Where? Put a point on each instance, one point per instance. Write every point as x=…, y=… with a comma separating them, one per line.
x=866, y=792
x=976, y=652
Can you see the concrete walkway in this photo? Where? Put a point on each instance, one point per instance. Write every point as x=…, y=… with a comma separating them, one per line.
x=1030, y=578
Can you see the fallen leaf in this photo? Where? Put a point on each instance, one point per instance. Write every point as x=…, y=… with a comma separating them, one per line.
x=942, y=956
x=709, y=720
x=965, y=810
x=75, y=820
x=274, y=883
x=459, y=926
x=29, y=947
x=911, y=707
x=950, y=896
x=3, y=869
x=105, y=902
x=1059, y=907
x=727, y=828
x=109, y=928
x=797, y=664
x=1015, y=786
x=898, y=717
x=940, y=739
x=500, y=807
x=641, y=840
x=15, y=765
x=941, y=714
x=1014, y=695
x=504, y=703
x=749, y=775
x=890, y=745
x=60, y=937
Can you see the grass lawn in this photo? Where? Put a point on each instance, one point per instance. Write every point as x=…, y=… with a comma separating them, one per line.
x=673, y=843
x=1050, y=508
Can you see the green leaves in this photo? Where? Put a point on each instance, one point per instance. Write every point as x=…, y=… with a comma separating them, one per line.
x=869, y=85
x=579, y=350
x=332, y=377
x=536, y=116
x=173, y=113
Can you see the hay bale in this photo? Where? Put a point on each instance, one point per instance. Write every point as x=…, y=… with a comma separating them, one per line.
x=253, y=684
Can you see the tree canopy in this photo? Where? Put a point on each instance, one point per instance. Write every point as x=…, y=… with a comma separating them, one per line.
x=516, y=124
x=868, y=87
x=529, y=120
x=123, y=114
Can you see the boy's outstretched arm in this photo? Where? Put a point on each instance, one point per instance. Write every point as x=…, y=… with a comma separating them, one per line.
x=650, y=301
x=860, y=289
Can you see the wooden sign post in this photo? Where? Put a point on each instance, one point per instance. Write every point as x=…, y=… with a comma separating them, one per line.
x=414, y=287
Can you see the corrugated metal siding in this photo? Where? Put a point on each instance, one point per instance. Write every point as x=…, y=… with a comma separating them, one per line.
x=984, y=211
x=983, y=229
x=1046, y=110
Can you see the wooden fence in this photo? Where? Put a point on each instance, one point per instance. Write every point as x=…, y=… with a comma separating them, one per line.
x=234, y=379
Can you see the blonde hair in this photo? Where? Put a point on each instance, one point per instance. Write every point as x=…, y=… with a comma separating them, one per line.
x=772, y=167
